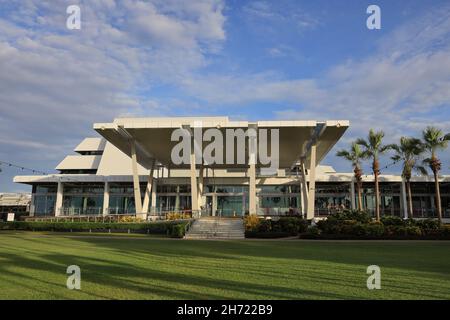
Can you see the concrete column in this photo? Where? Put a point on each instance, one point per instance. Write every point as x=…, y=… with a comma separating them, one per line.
x=214, y=205
x=193, y=172
x=404, y=200
x=59, y=199
x=106, y=199
x=154, y=195
x=148, y=189
x=137, y=188
x=32, y=205
x=252, y=189
x=200, y=187
x=177, y=199
x=84, y=206
x=304, y=188
x=352, y=194
x=312, y=184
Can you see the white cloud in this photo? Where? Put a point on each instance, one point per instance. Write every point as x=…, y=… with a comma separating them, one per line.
x=265, y=15
x=401, y=88
x=54, y=82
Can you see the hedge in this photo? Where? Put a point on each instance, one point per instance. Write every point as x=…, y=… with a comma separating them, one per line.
x=268, y=228
x=171, y=228
x=356, y=225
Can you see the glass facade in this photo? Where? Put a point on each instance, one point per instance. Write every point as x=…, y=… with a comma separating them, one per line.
x=279, y=199
x=167, y=203
x=233, y=200
x=82, y=199
x=332, y=197
x=390, y=198
x=44, y=199
x=121, y=198
x=44, y=205
x=226, y=200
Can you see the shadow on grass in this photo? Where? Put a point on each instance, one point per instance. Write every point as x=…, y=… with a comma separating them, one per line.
x=122, y=275
x=168, y=269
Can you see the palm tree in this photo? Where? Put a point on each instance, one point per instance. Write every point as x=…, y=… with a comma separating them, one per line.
x=373, y=148
x=409, y=151
x=355, y=155
x=434, y=140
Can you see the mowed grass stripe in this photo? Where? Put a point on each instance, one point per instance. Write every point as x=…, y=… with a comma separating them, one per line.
x=33, y=266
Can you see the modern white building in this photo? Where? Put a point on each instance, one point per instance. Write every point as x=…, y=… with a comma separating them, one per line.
x=129, y=168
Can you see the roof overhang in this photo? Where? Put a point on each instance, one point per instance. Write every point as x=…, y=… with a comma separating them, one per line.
x=153, y=137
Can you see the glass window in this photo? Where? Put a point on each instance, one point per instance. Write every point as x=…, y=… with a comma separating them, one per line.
x=122, y=188
x=44, y=205
x=282, y=189
x=121, y=204
x=46, y=188
x=73, y=205
x=83, y=188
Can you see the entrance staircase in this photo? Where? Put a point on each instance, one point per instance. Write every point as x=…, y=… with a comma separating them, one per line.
x=216, y=228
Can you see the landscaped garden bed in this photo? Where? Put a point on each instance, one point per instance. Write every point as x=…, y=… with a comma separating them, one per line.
x=256, y=227
x=359, y=225
x=175, y=228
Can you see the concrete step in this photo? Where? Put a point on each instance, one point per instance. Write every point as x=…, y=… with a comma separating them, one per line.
x=216, y=228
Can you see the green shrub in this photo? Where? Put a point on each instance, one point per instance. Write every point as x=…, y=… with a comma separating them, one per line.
x=150, y=227
x=392, y=221
x=359, y=216
x=177, y=231
x=336, y=226
x=375, y=229
x=265, y=226
x=313, y=231
x=428, y=224
x=251, y=222
x=413, y=231
x=291, y=225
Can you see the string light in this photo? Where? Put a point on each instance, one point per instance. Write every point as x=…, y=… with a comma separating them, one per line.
x=22, y=168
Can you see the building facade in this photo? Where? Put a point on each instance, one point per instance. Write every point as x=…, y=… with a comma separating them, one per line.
x=129, y=170
x=17, y=203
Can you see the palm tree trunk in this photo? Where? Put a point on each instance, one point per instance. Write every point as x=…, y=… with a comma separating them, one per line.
x=359, y=187
x=410, y=205
x=438, y=195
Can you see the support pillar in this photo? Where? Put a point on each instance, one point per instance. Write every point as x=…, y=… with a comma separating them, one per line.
x=148, y=189
x=304, y=188
x=193, y=173
x=177, y=199
x=252, y=189
x=312, y=184
x=404, y=200
x=32, y=205
x=106, y=199
x=136, y=186
x=153, y=196
x=59, y=199
x=352, y=194
x=214, y=204
x=200, y=187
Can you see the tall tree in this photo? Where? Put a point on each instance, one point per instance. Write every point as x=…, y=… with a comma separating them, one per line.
x=408, y=151
x=435, y=140
x=355, y=155
x=373, y=148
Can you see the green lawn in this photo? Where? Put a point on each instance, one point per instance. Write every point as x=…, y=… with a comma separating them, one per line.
x=33, y=266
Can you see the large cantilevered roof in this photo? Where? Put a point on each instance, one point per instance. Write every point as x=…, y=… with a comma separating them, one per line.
x=152, y=137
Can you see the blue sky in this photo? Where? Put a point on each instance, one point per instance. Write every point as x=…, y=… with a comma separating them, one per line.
x=246, y=59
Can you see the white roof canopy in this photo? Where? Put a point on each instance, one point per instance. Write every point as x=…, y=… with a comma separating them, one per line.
x=153, y=137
